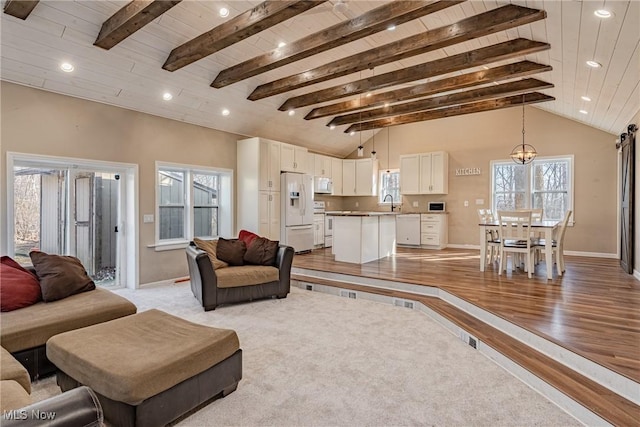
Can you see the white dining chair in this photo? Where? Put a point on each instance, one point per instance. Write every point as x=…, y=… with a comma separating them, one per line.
x=514, y=229
x=485, y=216
x=557, y=243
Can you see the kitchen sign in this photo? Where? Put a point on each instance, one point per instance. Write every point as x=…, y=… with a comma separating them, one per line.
x=467, y=171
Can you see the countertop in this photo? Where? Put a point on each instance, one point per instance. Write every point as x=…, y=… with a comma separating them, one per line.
x=377, y=213
x=360, y=213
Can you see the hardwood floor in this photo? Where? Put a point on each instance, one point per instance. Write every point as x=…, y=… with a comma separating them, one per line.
x=592, y=310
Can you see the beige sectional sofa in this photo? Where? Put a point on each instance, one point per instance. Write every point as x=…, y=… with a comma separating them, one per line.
x=25, y=331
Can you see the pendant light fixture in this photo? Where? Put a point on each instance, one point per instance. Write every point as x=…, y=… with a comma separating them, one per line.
x=388, y=157
x=523, y=153
x=360, y=147
x=374, y=155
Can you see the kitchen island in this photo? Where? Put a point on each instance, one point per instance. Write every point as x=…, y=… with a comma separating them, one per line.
x=360, y=237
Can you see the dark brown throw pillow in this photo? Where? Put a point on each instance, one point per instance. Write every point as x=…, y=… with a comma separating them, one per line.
x=261, y=252
x=60, y=276
x=231, y=251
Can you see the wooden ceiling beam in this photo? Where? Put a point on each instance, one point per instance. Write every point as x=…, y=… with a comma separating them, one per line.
x=474, y=58
x=496, y=74
x=376, y=20
x=19, y=8
x=263, y=16
x=500, y=19
x=480, y=94
x=130, y=19
x=475, y=107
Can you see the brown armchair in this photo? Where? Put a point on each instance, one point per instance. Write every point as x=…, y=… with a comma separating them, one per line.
x=238, y=283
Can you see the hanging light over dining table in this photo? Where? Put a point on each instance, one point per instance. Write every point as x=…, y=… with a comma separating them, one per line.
x=523, y=153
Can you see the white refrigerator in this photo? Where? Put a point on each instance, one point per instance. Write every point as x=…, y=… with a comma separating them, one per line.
x=296, y=193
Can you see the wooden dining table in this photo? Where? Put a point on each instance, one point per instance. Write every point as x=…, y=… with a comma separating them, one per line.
x=544, y=228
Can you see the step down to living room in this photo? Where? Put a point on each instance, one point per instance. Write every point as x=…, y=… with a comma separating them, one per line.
x=519, y=351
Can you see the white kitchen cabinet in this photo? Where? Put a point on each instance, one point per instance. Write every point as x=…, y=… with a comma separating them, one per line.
x=408, y=229
x=293, y=159
x=269, y=165
x=322, y=165
x=434, y=173
x=258, y=172
x=318, y=229
x=434, y=233
x=336, y=177
x=359, y=177
x=348, y=177
x=269, y=215
x=410, y=174
x=366, y=177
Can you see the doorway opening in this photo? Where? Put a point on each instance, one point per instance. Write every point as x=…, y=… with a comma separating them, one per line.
x=75, y=207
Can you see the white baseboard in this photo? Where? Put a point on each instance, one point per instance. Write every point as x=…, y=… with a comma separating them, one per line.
x=636, y=274
x=162, y=282
x=591, y=254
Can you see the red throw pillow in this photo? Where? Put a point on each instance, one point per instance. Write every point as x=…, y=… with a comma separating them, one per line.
x=247, y=237
x=18, y=287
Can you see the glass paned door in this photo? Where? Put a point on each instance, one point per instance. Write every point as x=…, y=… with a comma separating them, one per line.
x=69, y=212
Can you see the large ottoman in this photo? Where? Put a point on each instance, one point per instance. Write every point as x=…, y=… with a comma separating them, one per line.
x=148, y=368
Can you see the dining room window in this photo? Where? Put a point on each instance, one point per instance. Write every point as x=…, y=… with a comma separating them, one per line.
x=545, y=183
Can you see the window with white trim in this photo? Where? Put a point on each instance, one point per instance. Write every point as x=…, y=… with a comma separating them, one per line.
x=389, y=185
x=188, y=202
x=545, y=183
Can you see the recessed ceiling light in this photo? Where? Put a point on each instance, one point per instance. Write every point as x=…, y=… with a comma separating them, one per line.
x=332, y=127
x=594, y=64
x=386, y=105
x=391, y=27
x=223, y=12
x=585, y=98
x=225, y=112
x=282, y=44
x=292, y=112
x=353, y=132
x=66, y=67
x=167, y=96
x=368, y=95
x=584, y=112
x=602, y=13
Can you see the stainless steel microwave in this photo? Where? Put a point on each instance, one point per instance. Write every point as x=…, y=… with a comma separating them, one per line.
x=435, y=206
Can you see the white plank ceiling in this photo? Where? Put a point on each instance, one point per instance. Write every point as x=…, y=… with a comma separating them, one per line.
x=130, y=75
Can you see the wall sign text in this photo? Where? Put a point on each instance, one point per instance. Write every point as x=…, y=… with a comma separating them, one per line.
x=467, y=171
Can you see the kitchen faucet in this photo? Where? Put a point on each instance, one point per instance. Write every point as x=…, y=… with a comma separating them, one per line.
x=385, y=199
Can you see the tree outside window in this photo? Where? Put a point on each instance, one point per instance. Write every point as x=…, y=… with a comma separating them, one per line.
x=545, y=183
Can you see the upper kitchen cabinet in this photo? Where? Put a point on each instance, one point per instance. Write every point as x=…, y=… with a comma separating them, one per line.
x=322, y=165
x=410, y=174
x=294, y=159
x=424, y=173
x=359, y=177
x=434, y=173
x=262, y=157
x=336, y=177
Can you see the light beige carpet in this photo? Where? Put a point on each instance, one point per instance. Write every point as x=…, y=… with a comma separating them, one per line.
x=319, y=360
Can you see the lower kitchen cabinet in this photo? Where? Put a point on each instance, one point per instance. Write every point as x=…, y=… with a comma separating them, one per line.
x=434, y=232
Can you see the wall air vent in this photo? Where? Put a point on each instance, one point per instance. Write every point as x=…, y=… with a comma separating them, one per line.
x=399, y=302
x=348, y=294
x=469, y=339
x=308, y=287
